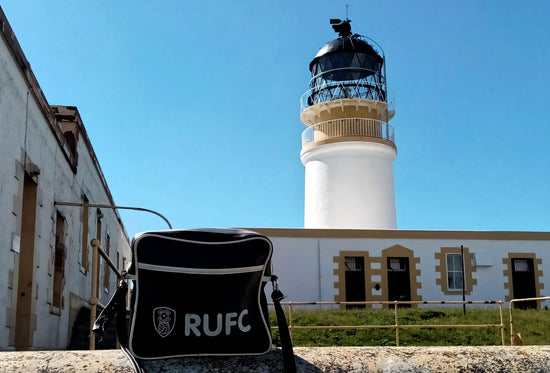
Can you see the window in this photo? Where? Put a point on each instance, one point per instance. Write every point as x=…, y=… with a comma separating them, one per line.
x=452, y=268
x=354, y=263
x=84, y=259
x=454, y=272
x=99, y=216
x=521, y=265
x=397, y=264
x=106, y=268
x=59, y=263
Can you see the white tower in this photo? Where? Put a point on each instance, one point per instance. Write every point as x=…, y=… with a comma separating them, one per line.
x=348, y=148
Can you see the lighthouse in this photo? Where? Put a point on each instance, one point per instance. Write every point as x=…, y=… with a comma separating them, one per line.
x=348, y=146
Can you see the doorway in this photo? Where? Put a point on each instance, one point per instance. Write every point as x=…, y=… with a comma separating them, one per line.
x=355, y=281
x=26, y=266
x=523, y=280
x=399, y=283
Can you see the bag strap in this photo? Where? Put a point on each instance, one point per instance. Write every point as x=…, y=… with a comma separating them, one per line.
x=115, y=307
x=277, y=296
x=135, y=363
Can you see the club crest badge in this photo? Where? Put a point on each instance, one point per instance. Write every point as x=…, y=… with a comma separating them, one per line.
x=164, y=319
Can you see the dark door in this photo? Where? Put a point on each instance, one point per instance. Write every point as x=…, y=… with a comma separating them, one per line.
x=355, y=281
x=25, y=281
x=399, y=283
x=523, y=278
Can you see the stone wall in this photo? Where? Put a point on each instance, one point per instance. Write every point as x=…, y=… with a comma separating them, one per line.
x=314, y=360
x=44, y=248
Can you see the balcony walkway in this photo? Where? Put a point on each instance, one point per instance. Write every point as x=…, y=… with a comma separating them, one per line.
x=348, y=129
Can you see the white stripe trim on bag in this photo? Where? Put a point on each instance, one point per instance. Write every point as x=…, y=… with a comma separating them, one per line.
x=200, y=271
x=202, y=242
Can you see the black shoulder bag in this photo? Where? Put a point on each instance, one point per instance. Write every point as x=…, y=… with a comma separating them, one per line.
x=197, y=293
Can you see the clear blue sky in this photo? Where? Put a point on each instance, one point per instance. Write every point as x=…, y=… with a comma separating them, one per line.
x=193, y=106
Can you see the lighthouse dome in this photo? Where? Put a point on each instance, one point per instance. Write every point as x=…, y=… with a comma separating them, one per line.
x=346, y=58
x=348, y=44
x=347, y=67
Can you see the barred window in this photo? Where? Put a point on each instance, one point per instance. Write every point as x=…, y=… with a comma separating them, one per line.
x=354, y=263
x=521, y=265
x=397, y=264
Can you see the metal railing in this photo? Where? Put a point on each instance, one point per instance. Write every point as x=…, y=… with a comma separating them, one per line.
x=397, y=326
x=96, y=252
x=346, y=82
x=348, y=127
x=76, y=204
x=354, y=73
x=511, y=304
x=344, y=90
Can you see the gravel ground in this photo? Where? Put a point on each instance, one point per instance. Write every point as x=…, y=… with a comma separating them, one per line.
x=315, y=360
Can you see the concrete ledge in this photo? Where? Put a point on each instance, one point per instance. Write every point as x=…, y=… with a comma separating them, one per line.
x=315, y=360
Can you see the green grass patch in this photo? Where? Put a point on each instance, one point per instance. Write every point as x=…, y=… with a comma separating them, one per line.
x=532, y=324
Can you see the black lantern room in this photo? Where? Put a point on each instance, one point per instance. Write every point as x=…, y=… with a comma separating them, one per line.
x=347, y=67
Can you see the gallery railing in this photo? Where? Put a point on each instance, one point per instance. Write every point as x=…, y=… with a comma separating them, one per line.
x=348, y=127
x=330, y=91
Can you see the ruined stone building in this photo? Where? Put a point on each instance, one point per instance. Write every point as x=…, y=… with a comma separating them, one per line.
x=45, y=253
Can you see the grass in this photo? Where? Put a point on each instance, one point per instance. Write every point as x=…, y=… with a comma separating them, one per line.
x=532, y=324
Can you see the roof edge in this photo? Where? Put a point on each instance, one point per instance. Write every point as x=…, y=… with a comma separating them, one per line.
x=8, y=34
x=404, y=234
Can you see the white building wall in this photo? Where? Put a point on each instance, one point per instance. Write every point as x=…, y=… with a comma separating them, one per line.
x=26, y=137
x=306, y=266
x=295, y=262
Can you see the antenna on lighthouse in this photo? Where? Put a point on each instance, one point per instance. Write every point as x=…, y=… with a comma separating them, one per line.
x=347, y=7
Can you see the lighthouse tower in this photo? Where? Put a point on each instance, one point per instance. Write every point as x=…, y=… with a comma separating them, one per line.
x=348, y=148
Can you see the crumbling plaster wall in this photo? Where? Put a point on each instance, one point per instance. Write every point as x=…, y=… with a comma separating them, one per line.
x=30, y=141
